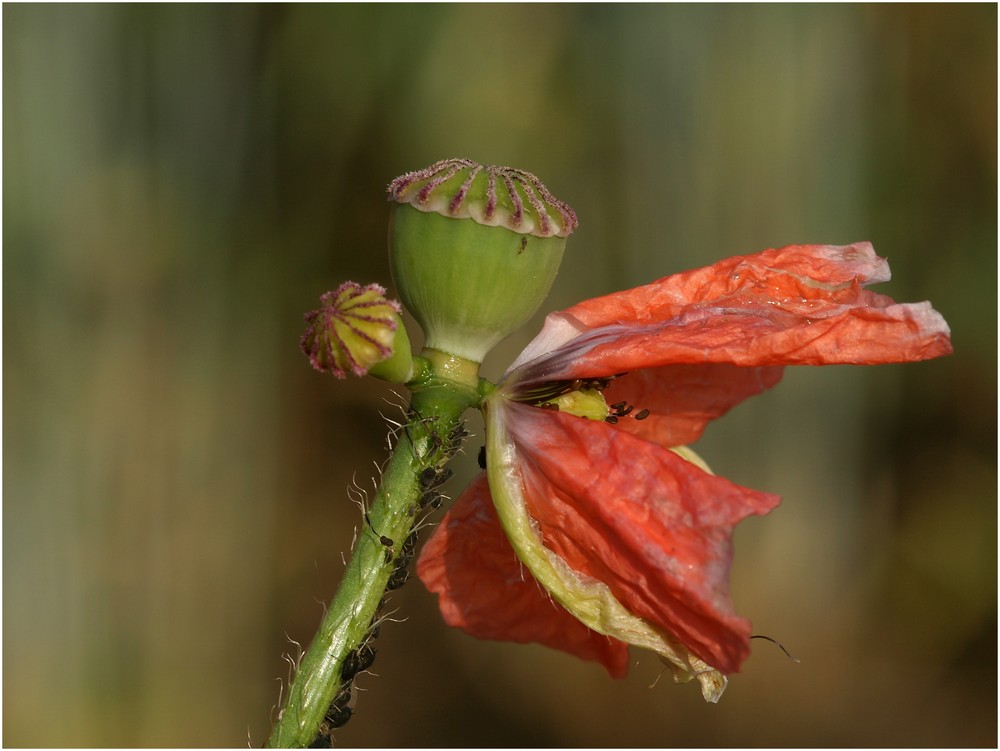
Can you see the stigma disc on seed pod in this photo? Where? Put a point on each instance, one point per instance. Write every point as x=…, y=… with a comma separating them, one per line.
x=474, y=250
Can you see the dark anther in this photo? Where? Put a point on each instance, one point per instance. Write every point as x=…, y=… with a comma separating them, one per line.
x=482, y=457
x=620, y=409
x=642, y=414
x=550, y=405
x=611, y=419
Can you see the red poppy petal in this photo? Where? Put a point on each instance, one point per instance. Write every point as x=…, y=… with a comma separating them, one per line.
x=795, y=270
x=800, y=305
x=855, y=334
x=483, y=589
x=654, y=528
x=682, y=399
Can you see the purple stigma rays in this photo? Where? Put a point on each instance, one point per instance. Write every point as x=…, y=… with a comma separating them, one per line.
x=490, y=195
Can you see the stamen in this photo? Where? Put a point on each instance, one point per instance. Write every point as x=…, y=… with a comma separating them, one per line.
x=642, y=414
x=778, y=644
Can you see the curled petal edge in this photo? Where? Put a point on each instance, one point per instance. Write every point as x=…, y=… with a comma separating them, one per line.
x=588, y=599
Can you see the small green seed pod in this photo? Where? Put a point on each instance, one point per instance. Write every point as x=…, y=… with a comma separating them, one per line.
x=474, y=250
x=358, y=330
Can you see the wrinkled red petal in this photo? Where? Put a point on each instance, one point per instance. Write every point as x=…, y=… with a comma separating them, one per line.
x=683, y=399
x=655, y=528
x=800, y=305
x=782, y=274
x=860, y=334
x=483, y=589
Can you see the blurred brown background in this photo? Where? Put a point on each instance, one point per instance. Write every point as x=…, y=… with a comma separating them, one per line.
x=182, y=182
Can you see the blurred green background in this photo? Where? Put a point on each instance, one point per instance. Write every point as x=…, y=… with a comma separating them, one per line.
x=182, y=182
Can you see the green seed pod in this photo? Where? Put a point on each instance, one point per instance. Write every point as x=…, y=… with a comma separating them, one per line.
x=474, y=250
x=358, y=330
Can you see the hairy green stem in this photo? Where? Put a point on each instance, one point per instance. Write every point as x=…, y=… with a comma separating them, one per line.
x=446, y=387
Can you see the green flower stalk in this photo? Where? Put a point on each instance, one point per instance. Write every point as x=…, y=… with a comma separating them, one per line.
x=473, y=251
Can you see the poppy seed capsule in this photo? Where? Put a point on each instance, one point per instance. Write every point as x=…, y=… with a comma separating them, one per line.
x=474, y=250
x=358, y=330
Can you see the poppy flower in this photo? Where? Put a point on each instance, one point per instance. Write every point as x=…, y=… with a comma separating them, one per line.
x=594, y=527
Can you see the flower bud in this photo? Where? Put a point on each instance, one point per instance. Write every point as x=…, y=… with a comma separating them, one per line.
x=358, y=329
x=474, y=250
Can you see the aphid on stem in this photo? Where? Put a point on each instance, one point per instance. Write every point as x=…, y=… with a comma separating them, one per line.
x=357, y=661
x=427, y=477
x=387, y=541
